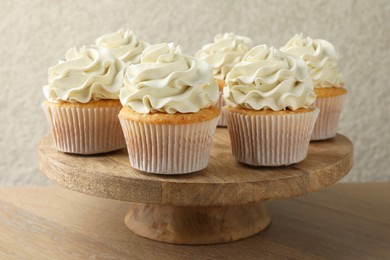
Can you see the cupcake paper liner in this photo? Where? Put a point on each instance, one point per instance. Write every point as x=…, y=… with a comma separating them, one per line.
x=330, y=110
x=169, y=149
x=85, y=130
x=271, y=140
x=223, y=118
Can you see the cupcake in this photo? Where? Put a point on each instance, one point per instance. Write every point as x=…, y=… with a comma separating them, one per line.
x=226, y=51
x=169, y=114
x=124, y=44
x=82, y=103
x=322, y=61
x=269, y=97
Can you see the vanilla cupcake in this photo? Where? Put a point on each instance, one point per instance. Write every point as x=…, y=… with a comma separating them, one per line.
x=269, y=97
x=322, y=61
x=169, y=114
x=82, y=103
x=225, y=52
x=124, y=44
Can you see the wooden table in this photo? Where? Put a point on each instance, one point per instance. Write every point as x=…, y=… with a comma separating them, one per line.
x=343, y=221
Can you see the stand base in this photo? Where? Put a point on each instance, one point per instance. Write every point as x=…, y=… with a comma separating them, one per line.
x=196, y=225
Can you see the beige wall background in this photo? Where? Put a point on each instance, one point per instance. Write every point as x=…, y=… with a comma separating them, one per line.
x=36, y=34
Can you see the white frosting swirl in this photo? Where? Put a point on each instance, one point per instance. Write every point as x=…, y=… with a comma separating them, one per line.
x=226, y=51
x=321, y=58
x=267, y=78
x=166, y=80
x=125, y=45
x=88, y=73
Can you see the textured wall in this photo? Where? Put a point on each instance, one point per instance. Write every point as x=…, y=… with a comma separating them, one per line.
x=35, y=34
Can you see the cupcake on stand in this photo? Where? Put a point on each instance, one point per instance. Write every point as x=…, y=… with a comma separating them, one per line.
x=322, y=60
x=270, y=111
x=169, y=115
x=83, y=101
x=226, y=51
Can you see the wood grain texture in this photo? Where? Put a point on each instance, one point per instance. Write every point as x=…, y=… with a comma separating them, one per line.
x=224, y=182
x=343, y=221
x=197, y=225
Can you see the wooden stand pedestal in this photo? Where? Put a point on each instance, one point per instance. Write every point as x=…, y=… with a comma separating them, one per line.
x=196, y=225
x=221, y=203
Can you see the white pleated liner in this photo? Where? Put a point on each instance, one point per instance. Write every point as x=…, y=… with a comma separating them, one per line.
x=271, y=140
x=85, y=130
x=169, y=149
x=223, y=118
x=327, y=121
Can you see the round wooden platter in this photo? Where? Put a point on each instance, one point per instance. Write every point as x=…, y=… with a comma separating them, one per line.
x=221, y=203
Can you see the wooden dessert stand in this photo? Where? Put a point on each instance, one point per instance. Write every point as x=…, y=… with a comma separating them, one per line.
x=221, y=203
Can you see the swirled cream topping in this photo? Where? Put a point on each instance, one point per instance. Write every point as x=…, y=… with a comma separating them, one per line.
x=166, y=80
x=321, y=58
x=267, y=78
x=226, y=51
x=124, y=45
x=87, y=73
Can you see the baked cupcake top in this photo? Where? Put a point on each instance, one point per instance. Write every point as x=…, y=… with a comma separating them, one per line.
x=169, y=81
x=87, y=73
x=226, y=51
x=267, y=78
x=124, y=44
x=321, y=58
